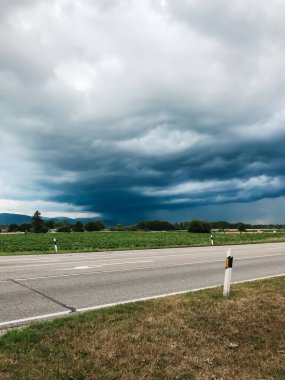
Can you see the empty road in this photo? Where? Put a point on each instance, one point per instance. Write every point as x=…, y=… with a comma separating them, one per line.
x=45, y=286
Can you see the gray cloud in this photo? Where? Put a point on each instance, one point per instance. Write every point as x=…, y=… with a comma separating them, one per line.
x=133, y=109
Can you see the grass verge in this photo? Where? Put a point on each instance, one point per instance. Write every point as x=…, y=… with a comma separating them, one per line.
x=198, y=336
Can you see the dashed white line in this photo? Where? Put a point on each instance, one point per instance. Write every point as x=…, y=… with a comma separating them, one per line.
x=139, y=268
x=101, y=265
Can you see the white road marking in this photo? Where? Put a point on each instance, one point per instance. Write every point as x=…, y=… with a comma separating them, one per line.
x=138, y=268
x=29, y=319
x=64, y=263
x=99, y=259
x=169, y=294
x=101, y=265
x=17, y=258
x=143, y=257
x=90, y=308
x=209, y=249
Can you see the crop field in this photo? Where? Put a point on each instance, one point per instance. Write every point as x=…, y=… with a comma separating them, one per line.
x=100, y=241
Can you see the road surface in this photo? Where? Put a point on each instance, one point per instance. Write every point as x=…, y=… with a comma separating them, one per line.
x=47, y=286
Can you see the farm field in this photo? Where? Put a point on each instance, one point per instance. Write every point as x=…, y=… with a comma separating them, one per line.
x=101, y=241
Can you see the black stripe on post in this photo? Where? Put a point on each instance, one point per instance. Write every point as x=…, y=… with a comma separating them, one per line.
x=229, y=262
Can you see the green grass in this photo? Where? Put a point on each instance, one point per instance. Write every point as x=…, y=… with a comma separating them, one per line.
x=179, y=337
x=100, y=241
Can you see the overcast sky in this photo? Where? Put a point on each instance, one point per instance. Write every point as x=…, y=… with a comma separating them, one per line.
x=143, y=109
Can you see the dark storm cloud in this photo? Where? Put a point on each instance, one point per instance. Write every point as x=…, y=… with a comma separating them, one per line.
x=137, y=109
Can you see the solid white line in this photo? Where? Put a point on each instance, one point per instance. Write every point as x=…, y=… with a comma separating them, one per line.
x=17, y=321
x=90, y=308
x=259, y=278
x=143, y=299
x=171, y=294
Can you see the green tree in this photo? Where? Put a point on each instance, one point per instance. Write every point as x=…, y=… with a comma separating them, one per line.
x=64, y=226
x=222, y=225
x=89, y=226
x=155, y=225
x=13, y=227
x=78, y=227
x=50, y=224
x=199, y=226
x=38, y=224
x=94, y=226
x=241, y=227
x=99, y=226
x=25, y=227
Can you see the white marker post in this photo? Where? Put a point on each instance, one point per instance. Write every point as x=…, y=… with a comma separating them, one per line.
x=228, y=273
x=55, y=244
x=212, y=239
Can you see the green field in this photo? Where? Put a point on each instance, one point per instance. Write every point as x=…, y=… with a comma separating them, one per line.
x=100, y=241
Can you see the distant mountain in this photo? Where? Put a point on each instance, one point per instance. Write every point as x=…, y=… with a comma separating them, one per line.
x=70, y=220
x=14, y=218
x=6, y=219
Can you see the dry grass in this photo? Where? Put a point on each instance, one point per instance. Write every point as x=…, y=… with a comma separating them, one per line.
x=179, y=337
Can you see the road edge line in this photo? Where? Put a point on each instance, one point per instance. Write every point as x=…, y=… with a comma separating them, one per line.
x=15, y=323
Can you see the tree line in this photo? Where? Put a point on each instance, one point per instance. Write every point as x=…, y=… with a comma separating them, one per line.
x=38, y=225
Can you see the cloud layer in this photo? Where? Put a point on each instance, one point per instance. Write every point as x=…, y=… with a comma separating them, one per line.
x=135, y=109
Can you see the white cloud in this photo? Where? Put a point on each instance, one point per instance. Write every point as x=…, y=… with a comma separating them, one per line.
x=215, y=191
x=162, y=141
x=49, y=209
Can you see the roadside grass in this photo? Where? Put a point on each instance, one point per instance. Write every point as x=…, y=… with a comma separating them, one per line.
x=196, y=336
x=102, y=241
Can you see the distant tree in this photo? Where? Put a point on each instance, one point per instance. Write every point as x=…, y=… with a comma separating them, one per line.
x=13, y=227
x=179, y=226
x=64, y=226
x=94, y=226
x=99, y=226
x=38, y=224
x=90, y=226
x=120, y=227
x=199, y=226
x=241, y=227
x=132, y=228
x=182, y=225
x=78, y=227
x=222, y=225
x=25, y=227
x=50, y=224
x=155, y=225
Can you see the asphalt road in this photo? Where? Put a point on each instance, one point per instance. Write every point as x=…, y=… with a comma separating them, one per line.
x=47, y=286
